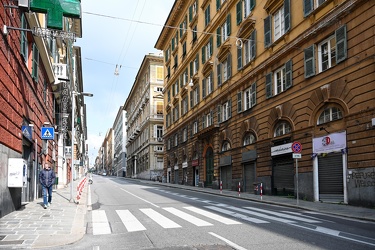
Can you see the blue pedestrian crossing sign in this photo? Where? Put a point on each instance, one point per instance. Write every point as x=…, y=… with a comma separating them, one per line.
x=48, y=133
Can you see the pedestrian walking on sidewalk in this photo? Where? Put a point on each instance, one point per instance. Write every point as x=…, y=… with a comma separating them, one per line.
x=47, y=179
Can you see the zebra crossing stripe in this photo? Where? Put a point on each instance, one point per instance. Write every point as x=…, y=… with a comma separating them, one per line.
x=265, y=216
x=131, y=223
x=194, y=220
x=159, y=218
x=213, y=216
x=100, y=223
x=283, y=215
x=236, y=215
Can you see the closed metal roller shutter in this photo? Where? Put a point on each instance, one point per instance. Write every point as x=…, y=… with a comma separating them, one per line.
x=226, y=177
x=249, y=172
x=283, y=177
x=330, y=174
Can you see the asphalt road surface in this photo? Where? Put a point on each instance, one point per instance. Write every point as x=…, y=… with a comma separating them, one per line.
x=126, y=214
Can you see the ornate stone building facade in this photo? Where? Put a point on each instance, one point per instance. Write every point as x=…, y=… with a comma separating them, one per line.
x=244, y=80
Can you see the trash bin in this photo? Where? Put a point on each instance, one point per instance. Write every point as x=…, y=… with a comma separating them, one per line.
x=256, y=188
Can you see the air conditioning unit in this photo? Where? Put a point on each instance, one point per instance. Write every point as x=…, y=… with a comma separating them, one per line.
x=160, y=139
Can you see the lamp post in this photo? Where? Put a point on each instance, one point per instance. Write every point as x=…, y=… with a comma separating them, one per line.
x=73, y=135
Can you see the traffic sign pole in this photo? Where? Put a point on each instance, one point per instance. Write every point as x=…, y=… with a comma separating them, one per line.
x=297, y=148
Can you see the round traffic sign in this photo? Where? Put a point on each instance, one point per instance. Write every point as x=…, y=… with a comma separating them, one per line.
x=296, y=147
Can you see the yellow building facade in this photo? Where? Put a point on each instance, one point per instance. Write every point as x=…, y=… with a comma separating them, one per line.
x=251, y=85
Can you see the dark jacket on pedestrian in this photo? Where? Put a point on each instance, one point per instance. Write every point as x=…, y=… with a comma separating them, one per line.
x=47, y=177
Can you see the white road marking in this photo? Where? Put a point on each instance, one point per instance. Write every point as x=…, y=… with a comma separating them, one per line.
x=194, y=220
x=159, y=218
x=230, y=243
x=213, y=216
x=236, y=215
x=260, y=215
x=100, y=223
x=140, y=198
x=130, y=222
x=283, y=215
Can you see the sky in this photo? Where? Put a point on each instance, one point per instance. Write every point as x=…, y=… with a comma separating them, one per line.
x=115, y=32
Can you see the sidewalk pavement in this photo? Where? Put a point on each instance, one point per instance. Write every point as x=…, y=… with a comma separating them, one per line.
x=35, y=227
x=64, y=221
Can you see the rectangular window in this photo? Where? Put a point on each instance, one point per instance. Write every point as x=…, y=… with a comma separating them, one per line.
x=310, y=5
x=195, y=127
x=279, y=26
x=224, y=111
x=159, y=131
x=280, y=80
x=195, y=96
x=159, y=73
x=184, y=105
x=207, y=85
x=207, y=51
x=195, y=35
x=327, y=54
x=224, y=70
x=224, y=30
x=175, y=113
x=184, y=135
x=250, y=97
x=248, y=6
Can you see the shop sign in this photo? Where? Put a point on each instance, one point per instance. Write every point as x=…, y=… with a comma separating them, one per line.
x=329, y=143
x=281, y=149
x=195, y=162
x=56, y=9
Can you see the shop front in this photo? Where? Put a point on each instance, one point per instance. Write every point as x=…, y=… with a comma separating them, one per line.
x=282, y=170
x=330, y=167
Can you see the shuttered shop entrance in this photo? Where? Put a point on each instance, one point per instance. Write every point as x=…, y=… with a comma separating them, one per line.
x=249, y=176
x=283, y=176
x=330, y=174
x=226, y=177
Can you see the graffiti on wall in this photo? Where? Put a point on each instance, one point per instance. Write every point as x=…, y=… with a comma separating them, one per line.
x=362, y=179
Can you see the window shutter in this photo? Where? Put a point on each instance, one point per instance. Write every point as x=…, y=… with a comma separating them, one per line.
x=191, y=69
x=204, y=88
x=219, y=113
x=239, y=58
x=287, y=21
x=23, y=38
x=253, y=94
x=181, y=30
x=341, y=44
x=198, y=94
x=155, y=131
x=309, y=59
x=289, y=74
x=218, y=37
x=212, y=117
x=229, y=108
x=197, y=61
x=218, y=74
x=181, y=80
x=239, y=102
x=267, y=31
x=253, y=44
x=269, y=85
x=203, y=122
x=229, y=66
x=228, y=25
x=35, y=63
x=191, y=99
x=218, y=4
x=211, y=45
x=203, y=54
x=308, y=6
x=190, y=13
x=252, y=4
x=239, y=12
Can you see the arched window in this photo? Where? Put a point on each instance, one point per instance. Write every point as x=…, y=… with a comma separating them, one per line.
x=282, y=128
x=249, y=139
x=226, y=146
x=329, y=114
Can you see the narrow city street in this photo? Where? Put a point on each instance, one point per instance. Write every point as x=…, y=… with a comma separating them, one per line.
x=128, y=214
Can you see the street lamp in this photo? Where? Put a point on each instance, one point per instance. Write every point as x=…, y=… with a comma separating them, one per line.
x=73, y=136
